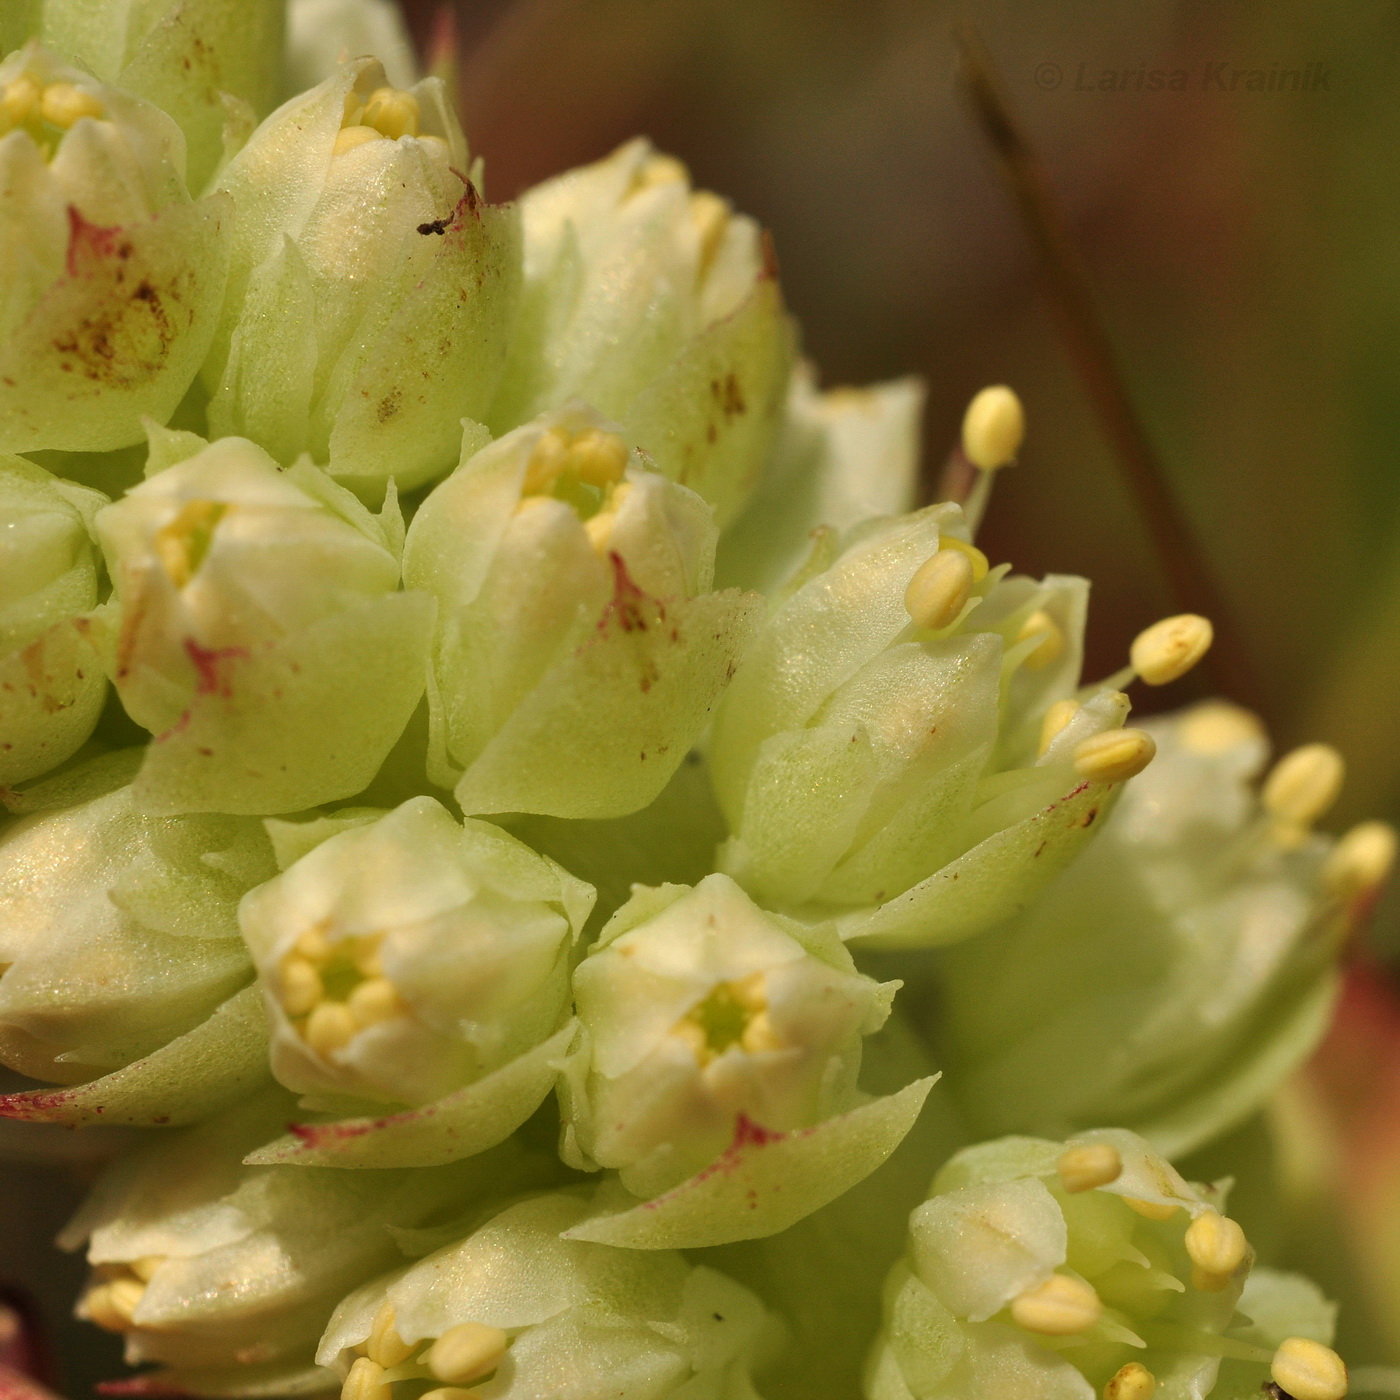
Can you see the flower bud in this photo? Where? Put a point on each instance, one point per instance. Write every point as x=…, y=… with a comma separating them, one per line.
x=258, y=632
x=579, y=647
x=876, y=755
x=408, y=956
x=227, y=1273
x=110, y=276
x=1196, y=927
x=1013, y=1285
x=122, y=956
x=371, y=288
x=658, y=306
x=522, y=1310
x=51, y=681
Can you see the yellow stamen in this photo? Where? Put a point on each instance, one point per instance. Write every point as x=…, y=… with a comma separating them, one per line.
x=1217, y=1247
x=63, y=104
x=660, y=170
x=346, y=140
x=329, y=1027
x=313, y=945
x=759, y=1035
x=451, y=1392
x=939, y=590
x=145, y=1267
x=1056, y=717
x=1361, y=861
x=599, y=528
x=1060, y=1307
x=1216, y=727
x=366, y=1382
x=374, y=1001
x=466, y=1352
x=183, y=543
x=301, y=987
x=392, y=111
x=1052, y=644
x=993, y=428
x=111, y=1305
x=710, y=215
x=1089, y=1164
x=385, y=1346
x=20, y=99
x=1132, y=1382
x=1151, y=1210
x=1114, y=756
x=1170, y=648
x=975, y=557
x=1301, y=787
x=598, y=458
x=1307, y=1370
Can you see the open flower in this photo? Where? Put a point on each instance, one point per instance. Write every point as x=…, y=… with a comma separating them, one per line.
x=228, y=1274
x=51, y=681
x=1184, y=965
x=1062, y=1271
x=260, y=633
x=409, y=960
x=111, y=277
x=123, y=971
x=515, y=1310
x=659, y=307
x=579, y=646
x=371, y=288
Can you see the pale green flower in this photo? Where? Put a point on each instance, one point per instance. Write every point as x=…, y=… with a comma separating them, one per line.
x=227, y=1274
x=123, y=972
x=188, y=57
x=520, y=1310
x=580, y=646
x=659, y=307
x=717, y=1033
x=257, y=630
x=1182, y=967
x=1060, y=1271
x=110, y=275
x=408, y=960
x=51, y=681
x=322, y=34
x=371, y=288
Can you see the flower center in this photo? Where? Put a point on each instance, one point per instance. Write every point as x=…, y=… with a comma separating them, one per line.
x=333, y=991
x=182, y=544
x=734, y=1013
x=46, y=110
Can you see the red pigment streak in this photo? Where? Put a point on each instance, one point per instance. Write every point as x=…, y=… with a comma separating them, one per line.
x=747, y=1135
x=139, y=1385
x=93, y=239
x=470, y=202
x=629, y=604
x=316, y=1135
x=34, y=1104
x=206, y=665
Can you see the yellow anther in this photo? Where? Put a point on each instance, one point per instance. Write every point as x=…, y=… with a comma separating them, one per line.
x=1056, y=717
x=1217, y=1247
x=660, y=170
x=329, y=1027
x=975, y=557
x=385, y=1346
x=351, y=136
x=1060, y=1307
x=145, y=1267
x=313, y=945
x=366, y=1382
x=1307, y=1370
x=750, y=992
x=694, y=1039
x=1132, y=1382
x=451, y=1392
x=352, y=109
x=1303, y=785
x=374, y=1001
x=63, y=104
x=1217, y=726
x=1114, y=756
x=1151, y=1210
x=182, y=543
x=1170, y=648
x=759, y=1035
x=598, y=458
x=710, y=215
x=1089, y=1164
x=939, y=590
x=367, y=958
x=19, y=100
x=1361, y=861
x=300, y=986
x=100, y=1308
x=466, y=1352
x=993, y=428
x=1041, y=624
x=392, y=111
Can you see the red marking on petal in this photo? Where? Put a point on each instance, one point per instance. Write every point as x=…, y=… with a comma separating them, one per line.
x=92, y=240
x=207, y=663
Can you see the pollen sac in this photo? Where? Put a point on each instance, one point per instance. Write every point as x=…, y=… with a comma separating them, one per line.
x=1012, y=1284
x=501, y=1307
x=257, y=629
x=580, y=644
x=111, y=276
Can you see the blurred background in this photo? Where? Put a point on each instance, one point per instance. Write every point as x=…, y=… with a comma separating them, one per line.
x=1243, y=249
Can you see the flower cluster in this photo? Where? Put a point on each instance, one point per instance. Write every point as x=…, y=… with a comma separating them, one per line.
x=486, y=744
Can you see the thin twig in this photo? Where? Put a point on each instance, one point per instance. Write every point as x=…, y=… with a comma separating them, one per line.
x=1188, y=573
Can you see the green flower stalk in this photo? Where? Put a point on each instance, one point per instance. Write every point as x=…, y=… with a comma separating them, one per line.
x=519, y=1309
x=124, y=973
x=580, y=646
x=1062, y=1271
x=227, y=1274
x=51, y=680
x=1177, y=973
x=660, y=308
x=362, y=238
x=409, y=960
x=257, y=630
x=204, y=62
x=111, y=277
